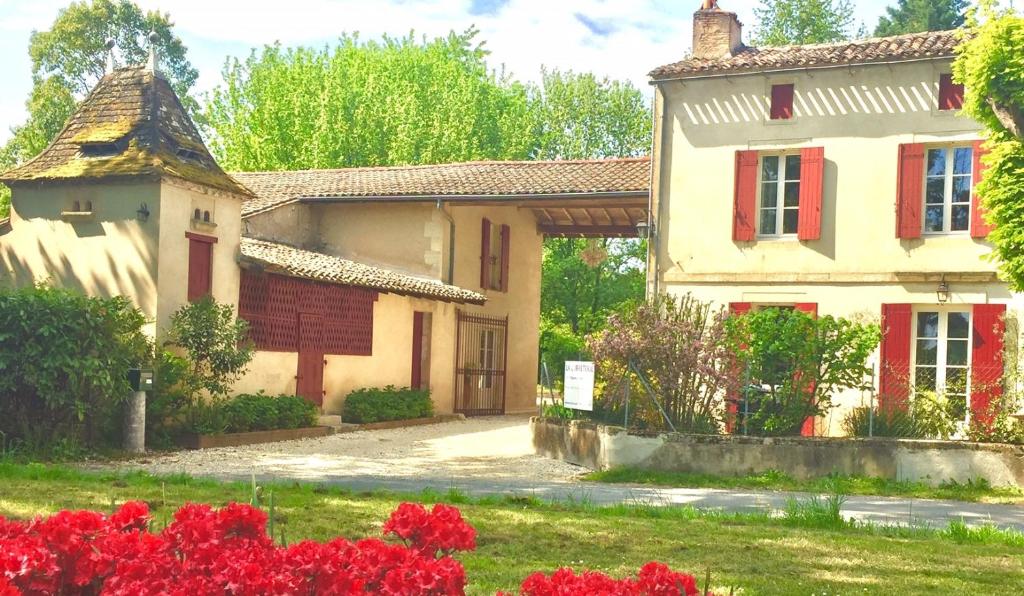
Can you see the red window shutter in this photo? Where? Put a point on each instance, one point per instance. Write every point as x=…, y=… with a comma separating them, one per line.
x=894, y=373
x=745, y=196
x=951, y=95
x=782, y=102
x=979, y=227
x=989, y=327
x=485, y=254
x=811, y=308
x=812, y=185
x=740, y=308
x=910, y=190
x=505, y=246
x=200, y=266
x=417, y=350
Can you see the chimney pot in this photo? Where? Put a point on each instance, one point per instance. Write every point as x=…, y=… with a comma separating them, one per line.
x=716, y=33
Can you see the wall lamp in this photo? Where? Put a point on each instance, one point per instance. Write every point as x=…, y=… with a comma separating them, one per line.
x=143, y=212
x=942, y=292
x=645, y=230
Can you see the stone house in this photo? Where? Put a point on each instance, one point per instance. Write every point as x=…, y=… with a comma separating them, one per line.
x=835, y=179
x=424, y=276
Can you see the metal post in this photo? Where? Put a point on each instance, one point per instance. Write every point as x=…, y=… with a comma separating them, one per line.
x=625, y=421
x=650, y=392
x=746, y=398
x=135, y=423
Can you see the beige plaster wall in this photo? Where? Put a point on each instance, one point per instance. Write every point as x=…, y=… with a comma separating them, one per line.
x=178, y=202
x=292, y=224
x=860, y=115
x=108, y=254
x=521, y=303
x=405, y=237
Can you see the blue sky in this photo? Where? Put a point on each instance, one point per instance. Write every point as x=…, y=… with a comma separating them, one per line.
x=620, y=39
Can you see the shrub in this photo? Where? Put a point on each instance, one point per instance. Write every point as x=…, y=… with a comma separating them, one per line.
x=250, y=412
x=558, y=343
x=63, y=363
x=796, y=362
x=294, y=412
x=680, y=345
x=881, y=422
x=389, y=403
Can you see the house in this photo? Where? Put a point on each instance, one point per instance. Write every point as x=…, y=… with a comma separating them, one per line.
x=835, y=179
x=423, y=276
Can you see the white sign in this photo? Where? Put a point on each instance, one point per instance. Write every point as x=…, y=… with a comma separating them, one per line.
x=579, y=386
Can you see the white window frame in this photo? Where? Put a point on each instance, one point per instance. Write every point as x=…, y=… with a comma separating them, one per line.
x=780, y=195
x=488, y=355
x=947, y=196
x=941, y=351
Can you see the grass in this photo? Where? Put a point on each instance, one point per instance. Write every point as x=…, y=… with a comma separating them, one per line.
x=975, y=491
x=808, y=551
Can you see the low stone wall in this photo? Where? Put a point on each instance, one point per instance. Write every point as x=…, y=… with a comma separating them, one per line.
x=600, y=447
x=251, y=438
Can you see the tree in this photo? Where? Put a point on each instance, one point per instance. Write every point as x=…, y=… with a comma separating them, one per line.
x=990, y=64
x=393, y=102
x=912, y=16
x=785, y=22
x=69, y=59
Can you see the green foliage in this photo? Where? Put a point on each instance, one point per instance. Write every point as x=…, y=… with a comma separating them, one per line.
x=63, y=363
x=881, y=422
x=390, y=403
x=258, y=411
x=214, y=341
x=796, y=362
x=558, y=343
x=559, y=411
x=786, y=22
x=990, y=64
x=69, y=58
x=912, y=16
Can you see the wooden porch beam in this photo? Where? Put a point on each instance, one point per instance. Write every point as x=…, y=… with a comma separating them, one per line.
x=581, y=231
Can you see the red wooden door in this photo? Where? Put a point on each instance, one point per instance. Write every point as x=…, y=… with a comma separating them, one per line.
x=309, y=378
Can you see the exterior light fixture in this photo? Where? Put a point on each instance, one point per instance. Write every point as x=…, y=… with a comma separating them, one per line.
x=942, y=292
x=645, y=230
x=143, y=212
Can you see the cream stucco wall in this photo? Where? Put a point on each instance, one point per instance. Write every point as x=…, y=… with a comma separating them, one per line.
x=178, y=203
x=860, y=115
x=291, y=224
x=109, y=253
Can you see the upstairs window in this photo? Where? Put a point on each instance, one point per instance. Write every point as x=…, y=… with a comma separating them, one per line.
x=779, y=209
x=782, y=102
x=951, y=95
x=949, y=176
x=495, y=246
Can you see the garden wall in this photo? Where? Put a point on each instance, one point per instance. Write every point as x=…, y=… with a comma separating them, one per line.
x=600, y=447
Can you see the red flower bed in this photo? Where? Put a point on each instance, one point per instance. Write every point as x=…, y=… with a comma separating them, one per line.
x=227, y=551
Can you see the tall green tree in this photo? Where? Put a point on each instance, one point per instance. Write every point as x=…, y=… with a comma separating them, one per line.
x=912, y=16
x=393, y=102
x=69, y=58
x=785, y=22
x=990, y=64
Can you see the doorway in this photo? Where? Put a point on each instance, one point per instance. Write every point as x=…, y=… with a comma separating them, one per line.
x=481, y=357
x=309, y=378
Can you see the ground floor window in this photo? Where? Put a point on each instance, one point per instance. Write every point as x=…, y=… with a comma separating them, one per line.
x=942, y=356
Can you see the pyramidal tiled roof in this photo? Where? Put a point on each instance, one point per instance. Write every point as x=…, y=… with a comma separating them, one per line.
x=131, y=125
x=913, y=46
x=470, y=179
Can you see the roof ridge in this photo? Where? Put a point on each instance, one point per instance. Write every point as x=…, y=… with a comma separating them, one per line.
x=458, y=164
x=851, y=42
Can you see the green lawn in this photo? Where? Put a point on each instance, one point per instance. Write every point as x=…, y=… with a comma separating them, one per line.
x=518, y=536
x=850, y=485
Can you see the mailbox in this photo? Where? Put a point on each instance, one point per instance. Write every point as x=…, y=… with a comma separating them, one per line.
x=141, y=379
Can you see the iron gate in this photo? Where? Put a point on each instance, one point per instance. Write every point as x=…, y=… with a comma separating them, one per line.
x=480, y=358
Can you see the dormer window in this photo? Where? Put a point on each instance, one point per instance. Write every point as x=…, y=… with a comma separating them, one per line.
x=99, y=149
x=189, y=154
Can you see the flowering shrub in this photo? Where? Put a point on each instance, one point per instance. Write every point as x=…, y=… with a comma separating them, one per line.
x=227, y=551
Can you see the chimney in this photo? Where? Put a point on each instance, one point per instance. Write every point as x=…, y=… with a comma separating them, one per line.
x=716, y=33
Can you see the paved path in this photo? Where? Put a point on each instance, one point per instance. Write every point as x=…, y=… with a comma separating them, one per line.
x=488, y=456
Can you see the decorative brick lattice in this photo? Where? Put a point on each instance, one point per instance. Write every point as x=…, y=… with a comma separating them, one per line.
x=339, y=320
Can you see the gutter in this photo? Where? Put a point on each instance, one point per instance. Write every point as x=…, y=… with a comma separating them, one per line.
x=766, y=71
x=507, y=198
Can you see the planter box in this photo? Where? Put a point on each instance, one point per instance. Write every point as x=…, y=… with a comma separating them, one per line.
x=599, y=447
x=251, y=438
x=401, y=423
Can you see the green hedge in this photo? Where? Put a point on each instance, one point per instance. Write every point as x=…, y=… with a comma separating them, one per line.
x=390, y=403
x=259, y=411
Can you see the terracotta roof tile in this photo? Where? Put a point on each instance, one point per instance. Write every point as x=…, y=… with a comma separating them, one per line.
x=137, y=114
x=473, y=179
x=296, y=262
x=933, y=44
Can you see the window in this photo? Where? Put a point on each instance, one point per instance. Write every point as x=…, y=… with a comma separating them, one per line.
x=780, y=195
x=487, y=360
x=942, y=357
x=99, y=149
x=494, y=256
x=947, y=196
x=782, y=102
x=951, y=95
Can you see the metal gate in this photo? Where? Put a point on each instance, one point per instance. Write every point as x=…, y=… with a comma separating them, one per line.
x=480, y=358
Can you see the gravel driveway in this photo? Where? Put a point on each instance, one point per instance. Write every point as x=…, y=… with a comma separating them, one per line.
x=496, y=447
